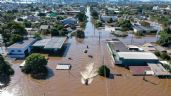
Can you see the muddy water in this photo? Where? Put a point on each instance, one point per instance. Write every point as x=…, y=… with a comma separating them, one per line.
x=68, y=83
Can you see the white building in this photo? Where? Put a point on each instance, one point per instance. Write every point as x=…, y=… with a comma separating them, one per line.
x=20, y=49
x=156, y=8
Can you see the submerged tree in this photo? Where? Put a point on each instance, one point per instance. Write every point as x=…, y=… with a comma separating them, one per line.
x=5, y=70
x=104, y=71
x=36, y=66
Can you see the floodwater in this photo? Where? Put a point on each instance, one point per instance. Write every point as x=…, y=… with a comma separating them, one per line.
x=68, y=83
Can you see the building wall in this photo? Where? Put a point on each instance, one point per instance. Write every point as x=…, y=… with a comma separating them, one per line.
x=136, y=62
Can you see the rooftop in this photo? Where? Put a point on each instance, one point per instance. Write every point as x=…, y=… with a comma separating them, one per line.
x=158, y=69
x=54, y=42
x=137, y=55
x=139, y=70
x=23, y=44
x=44, y=27
x=118, y=46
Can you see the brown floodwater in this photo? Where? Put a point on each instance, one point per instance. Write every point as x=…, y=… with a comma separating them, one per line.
x=68, y=83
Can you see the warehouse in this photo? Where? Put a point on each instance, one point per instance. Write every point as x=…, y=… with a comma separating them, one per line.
x=136, y=58
x=53, y=43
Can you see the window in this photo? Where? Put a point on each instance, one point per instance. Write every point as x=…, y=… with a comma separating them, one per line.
x=12, y=50
x=19, y=50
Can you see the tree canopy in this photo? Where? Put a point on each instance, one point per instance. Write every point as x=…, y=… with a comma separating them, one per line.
x=104, y=71
x=165, y=37
x=81, y=17
x=36, y=66
x=5, y=68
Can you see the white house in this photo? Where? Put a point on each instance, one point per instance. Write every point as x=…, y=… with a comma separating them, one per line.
x=20, y=49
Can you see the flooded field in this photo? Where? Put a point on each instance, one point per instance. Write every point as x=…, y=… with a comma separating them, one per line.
x=68, y=83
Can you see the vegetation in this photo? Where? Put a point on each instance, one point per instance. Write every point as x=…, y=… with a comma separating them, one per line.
x=81, y=17
x=5, y=69
x=104, y=71
x=125, y=24
x=98, y=24
x=37, y=36
x=168, y=67
x=16, y=38
x=36, y=66
x=95, y=14
x=80, y=34
x=10, y=30
x=162, y=55
x=58, y=30
x=165, y=37
x=42, y=14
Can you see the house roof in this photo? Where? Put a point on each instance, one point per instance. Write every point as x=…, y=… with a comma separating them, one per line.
x=118, y=46
x=137, y=55
x=23, y=44
x=139, y=70
x=158, y=69
x=44, y=27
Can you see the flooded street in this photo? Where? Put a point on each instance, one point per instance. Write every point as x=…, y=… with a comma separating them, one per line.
x=68, y=82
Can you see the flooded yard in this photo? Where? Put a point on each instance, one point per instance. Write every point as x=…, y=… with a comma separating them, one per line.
x=68, y=82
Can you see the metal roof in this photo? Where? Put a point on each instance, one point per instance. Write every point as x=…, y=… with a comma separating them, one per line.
x=158, y=69
x=52, y=43
x=137, y=55
x=118, y=46
x=23, y=44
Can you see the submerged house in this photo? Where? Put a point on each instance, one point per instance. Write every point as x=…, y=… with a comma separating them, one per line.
x=54, y=43
x=108, y=18
x=125, y=56
x=20, y=49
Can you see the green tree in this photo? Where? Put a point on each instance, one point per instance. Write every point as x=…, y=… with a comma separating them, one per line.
x=37, y=36
x=98, y=24
x=54, y=32
x=16, y=38
x=104, y=71
x=81, y=17
x=27, y=24
x=95, y=14
x=80, y=34
x=165, y=37
x=5, y=68
x=125, y=24
x=36, y=66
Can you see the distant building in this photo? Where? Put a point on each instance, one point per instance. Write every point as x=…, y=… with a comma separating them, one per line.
x=44, y=27
x=69, y=21
x=108, y=18
x=20, y=49
x=142, y=29
x=82, y=8
x=156, y=8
